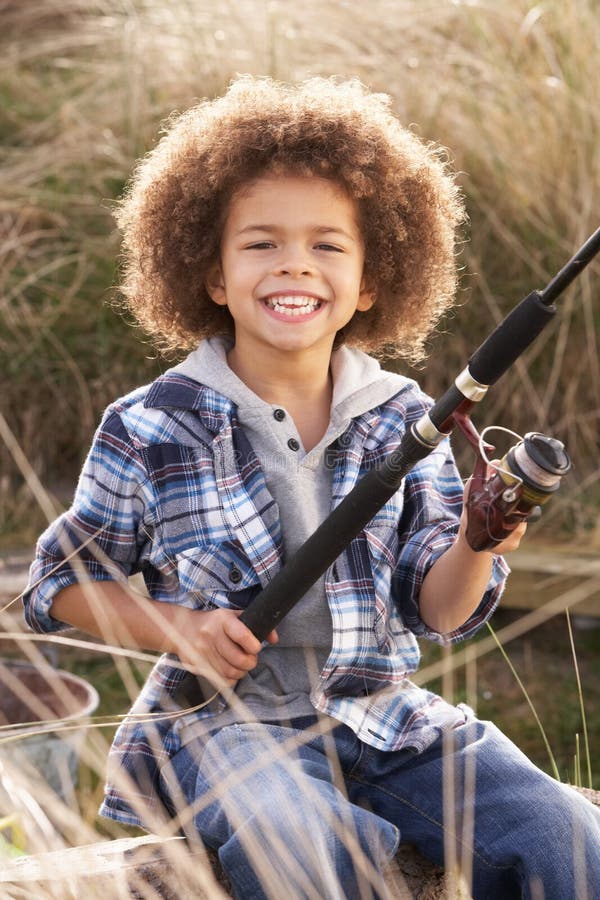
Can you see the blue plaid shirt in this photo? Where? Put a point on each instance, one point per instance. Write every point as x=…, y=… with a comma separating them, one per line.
x=172, y=489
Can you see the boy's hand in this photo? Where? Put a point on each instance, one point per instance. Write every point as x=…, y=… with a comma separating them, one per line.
x=218, y=641
x=454, y=585
x=510, y=543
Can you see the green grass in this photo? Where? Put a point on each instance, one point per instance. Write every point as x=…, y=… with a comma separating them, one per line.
x=542, y=659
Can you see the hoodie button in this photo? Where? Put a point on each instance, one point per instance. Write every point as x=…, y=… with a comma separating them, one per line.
x=293, y=444
x=279, y=414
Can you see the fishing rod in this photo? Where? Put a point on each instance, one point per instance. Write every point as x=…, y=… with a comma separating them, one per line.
x=501, y=495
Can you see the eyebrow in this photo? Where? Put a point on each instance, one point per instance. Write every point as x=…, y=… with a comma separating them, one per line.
x=319, y=229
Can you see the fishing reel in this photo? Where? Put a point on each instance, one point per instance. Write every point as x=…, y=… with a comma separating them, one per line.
x=504, y=493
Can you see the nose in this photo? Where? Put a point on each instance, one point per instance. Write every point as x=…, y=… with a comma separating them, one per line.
x=294, y=261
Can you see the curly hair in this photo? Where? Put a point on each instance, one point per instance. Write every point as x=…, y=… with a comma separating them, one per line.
x=173, y=212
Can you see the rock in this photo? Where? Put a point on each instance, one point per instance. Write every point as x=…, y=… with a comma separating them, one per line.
x=155, y=868
x=150, y=867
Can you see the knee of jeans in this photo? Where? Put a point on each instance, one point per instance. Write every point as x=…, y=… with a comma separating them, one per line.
x=322, y=823
x=379, y=838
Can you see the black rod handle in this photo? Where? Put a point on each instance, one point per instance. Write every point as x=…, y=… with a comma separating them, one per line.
x=525, y=322
x=508, y=341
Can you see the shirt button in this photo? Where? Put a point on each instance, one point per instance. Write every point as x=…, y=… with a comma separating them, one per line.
x=293, y=444
x=235, y=575
x=279, y=414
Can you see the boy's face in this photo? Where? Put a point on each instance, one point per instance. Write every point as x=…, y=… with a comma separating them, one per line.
x=291, y=268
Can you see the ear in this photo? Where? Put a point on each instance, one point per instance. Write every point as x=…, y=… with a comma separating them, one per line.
x=366, y=297
x=215, y=285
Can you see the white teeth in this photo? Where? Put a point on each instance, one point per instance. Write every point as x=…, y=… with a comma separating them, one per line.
x=293, y=306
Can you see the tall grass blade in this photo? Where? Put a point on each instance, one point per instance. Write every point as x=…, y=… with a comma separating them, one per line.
x=586, y=741
x=528, y=700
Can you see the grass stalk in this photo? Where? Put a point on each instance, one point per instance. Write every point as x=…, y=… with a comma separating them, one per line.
x=528, y=700
x=586, y=741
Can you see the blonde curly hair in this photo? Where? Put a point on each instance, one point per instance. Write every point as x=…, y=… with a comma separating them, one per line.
x=174, y=209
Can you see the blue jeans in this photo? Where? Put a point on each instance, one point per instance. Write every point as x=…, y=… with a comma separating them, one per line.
x=297, y=814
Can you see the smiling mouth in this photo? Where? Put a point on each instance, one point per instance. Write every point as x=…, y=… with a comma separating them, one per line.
x=293, y=305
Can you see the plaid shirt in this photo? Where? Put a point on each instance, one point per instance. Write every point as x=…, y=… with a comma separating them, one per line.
x=173, y=489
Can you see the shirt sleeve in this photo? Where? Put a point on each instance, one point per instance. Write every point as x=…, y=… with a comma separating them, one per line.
x=101, y=537
x=433, y=492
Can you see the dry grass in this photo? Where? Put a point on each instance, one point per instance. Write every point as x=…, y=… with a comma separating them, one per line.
x=510, y=87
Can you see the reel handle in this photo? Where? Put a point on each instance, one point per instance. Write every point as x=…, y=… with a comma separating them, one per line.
x=514, y=490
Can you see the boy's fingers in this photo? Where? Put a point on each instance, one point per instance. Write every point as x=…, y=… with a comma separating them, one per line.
x=241, y=635
x=230, y=673
x=235, y=656
x=513, y=540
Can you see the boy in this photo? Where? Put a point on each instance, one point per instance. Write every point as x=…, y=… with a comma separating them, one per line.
x=270, y=230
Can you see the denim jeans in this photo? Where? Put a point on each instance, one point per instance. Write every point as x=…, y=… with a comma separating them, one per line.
x=298, y=814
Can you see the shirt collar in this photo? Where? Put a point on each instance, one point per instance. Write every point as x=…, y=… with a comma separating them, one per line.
x=175, y=391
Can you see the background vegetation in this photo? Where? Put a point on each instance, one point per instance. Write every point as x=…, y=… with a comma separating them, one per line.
x=509, y=86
